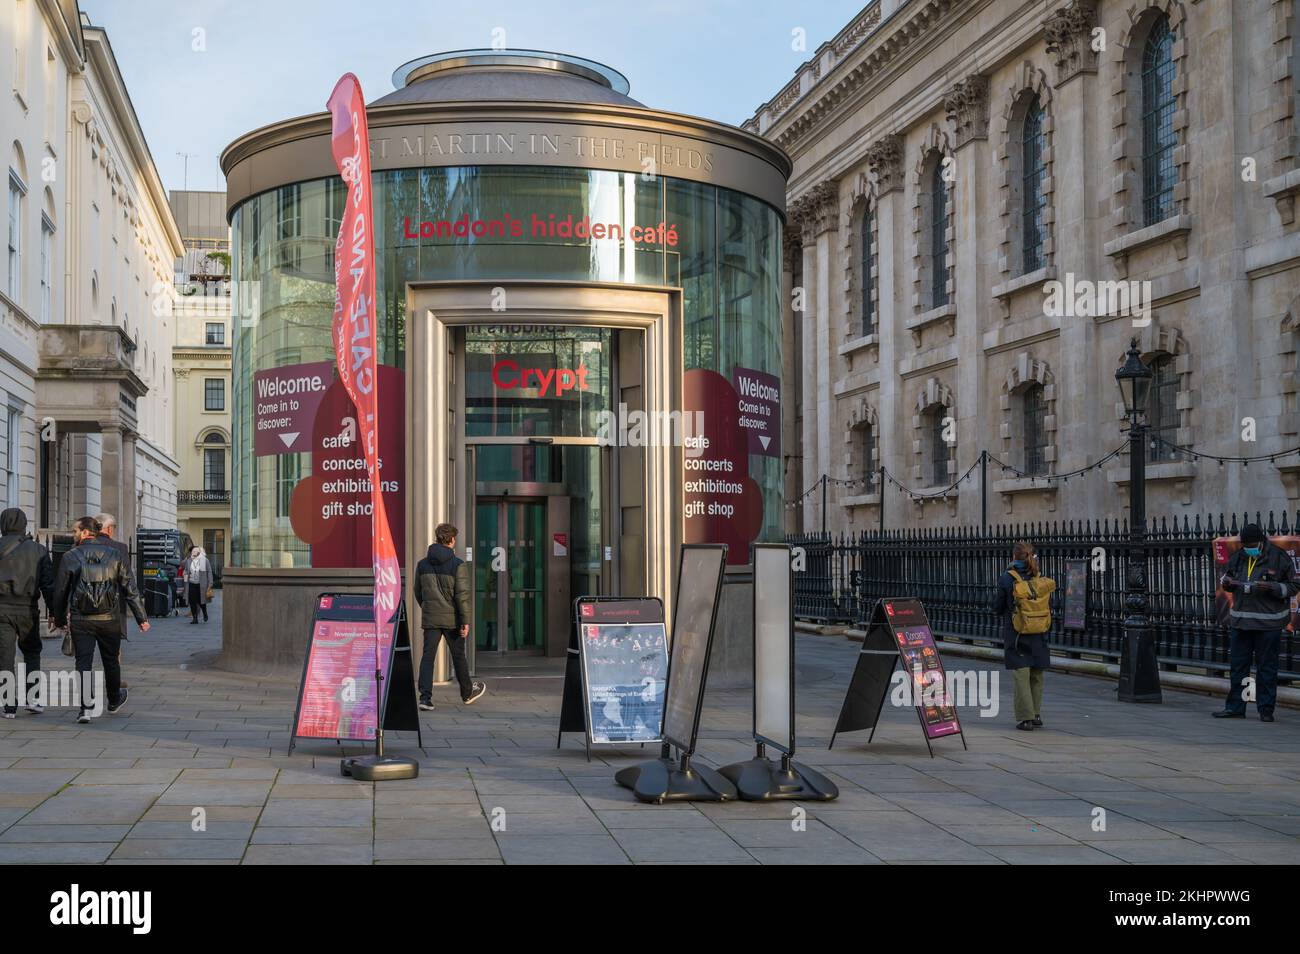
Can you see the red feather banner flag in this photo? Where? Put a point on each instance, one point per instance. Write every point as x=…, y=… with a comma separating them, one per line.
x=355, y=349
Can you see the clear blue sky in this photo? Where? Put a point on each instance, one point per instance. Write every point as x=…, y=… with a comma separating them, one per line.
x=266, y=60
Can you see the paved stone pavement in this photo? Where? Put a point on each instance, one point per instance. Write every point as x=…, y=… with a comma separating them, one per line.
x=1176, y=786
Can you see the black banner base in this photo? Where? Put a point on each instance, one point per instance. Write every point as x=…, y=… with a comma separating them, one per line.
x=379, y=768
x=762, y=780
x=666, y=781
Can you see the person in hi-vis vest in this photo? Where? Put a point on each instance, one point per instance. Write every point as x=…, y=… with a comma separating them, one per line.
x=1261, y=578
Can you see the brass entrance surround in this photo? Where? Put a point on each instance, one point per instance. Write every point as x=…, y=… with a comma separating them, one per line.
x=647, y=494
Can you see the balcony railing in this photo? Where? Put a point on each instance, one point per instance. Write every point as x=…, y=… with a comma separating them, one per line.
x=192, y=498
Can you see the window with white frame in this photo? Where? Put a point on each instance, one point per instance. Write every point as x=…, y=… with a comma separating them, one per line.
x=17, y=191
x=215, y=333
x=214, y=462
x=47, y=268
x=214, y=394
x=13, y=454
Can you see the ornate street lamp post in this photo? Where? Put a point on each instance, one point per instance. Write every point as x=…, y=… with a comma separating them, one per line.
x=1139, y=673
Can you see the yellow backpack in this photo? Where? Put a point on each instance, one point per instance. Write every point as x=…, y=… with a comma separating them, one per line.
x=1033, y=610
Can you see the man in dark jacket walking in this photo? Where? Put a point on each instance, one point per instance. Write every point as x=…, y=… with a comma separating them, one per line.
x=1261, y=578
x=442, y=589
x=93, y=586
x=26, y=575
x=107, y=533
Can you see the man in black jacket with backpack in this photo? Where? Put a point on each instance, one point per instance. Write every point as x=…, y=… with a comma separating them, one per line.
x=26, y=575
x=442, y=589
x=93, y=587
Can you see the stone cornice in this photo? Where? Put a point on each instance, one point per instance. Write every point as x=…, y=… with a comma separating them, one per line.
x=818, y=102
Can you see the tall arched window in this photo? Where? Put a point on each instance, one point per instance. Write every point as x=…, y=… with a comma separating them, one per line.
x=867, y=267
x=936, y=431
x=47, y=259
x=1033, y=201
x=1033, y=407
x=214, y=462
x=938, y=235
x=17, y=196
x=864, y=454
x=1162, y=413
x=1158, y=137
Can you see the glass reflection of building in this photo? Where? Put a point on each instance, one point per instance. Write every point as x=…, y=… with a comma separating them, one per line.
x=726, y=261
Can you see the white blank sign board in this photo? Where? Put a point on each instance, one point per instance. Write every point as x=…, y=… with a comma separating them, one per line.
x=699, y=577
x=772, y=645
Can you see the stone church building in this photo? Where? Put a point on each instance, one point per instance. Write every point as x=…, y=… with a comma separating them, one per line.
x=990, y=198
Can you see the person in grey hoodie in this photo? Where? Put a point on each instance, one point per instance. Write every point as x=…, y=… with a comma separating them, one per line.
x=442, y=589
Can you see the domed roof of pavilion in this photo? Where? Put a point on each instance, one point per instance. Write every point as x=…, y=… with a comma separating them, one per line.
x=507, y=76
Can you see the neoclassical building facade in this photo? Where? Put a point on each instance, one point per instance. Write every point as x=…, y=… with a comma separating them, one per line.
x=86, y=293
x=990, y=198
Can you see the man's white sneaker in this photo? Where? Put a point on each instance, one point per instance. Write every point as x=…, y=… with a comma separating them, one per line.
x=35, y=708
x=83, y=718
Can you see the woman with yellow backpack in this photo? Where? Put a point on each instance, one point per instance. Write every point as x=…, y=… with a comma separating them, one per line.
x=1023, y=600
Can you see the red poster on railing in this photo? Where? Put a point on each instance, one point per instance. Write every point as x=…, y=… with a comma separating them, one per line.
x=355, y=349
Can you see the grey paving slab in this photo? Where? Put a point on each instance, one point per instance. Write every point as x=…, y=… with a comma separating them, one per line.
x=330, y=812
x=450, y=848
x=561, y=849
x=56, y=853
x=163, y=849
x=45, y=834
x=308, y=855
x=847, y=854
x=317, y=835
x=688, y=844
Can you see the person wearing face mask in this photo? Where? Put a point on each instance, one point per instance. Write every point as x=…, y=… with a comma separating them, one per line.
x=1261, y=578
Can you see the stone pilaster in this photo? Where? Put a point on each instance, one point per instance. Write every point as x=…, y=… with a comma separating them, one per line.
x=967, y=107
x=1069, y=39
x=885, y=158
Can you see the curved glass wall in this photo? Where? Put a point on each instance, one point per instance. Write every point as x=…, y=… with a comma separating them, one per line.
x=721, y=248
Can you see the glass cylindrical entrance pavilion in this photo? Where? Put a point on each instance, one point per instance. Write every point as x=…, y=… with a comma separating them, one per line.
x=579, y=304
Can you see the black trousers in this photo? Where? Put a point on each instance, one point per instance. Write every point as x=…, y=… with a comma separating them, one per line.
x=459, y=661
x=1261, y=646
x=20, y=630
x=107, y=635
x=195, y=598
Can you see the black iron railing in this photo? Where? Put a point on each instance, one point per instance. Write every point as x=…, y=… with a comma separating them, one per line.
x=954, y=571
